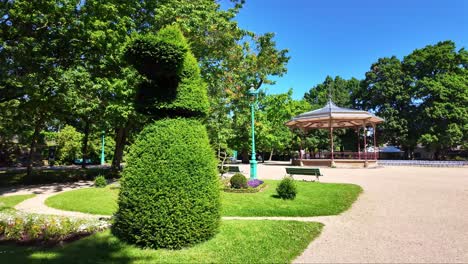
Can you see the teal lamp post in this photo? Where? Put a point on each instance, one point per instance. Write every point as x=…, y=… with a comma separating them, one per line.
x=253, y=159
x=102, y=148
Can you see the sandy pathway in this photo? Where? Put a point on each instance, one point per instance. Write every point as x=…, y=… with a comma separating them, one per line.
x=405, y=215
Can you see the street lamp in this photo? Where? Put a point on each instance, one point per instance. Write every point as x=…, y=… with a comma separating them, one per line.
x=253, y=159
x=102, y=147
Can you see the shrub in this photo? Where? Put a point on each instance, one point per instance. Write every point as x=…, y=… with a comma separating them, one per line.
x=100, y=182
x=46, y=229
x=287, y=189
x=169, y=196
x=238, y=181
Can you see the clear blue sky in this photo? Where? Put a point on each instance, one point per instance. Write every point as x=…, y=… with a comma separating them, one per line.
x=344, y=37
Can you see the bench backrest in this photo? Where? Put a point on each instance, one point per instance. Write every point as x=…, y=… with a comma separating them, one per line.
x=231, y=168
x=303, y=171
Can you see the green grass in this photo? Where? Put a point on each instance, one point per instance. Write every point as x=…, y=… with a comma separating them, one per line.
x=89, y=200
x=313, y=199
x=237, y=242
x=8, y=202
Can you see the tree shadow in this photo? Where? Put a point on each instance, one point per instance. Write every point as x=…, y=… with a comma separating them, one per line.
x=99, y=248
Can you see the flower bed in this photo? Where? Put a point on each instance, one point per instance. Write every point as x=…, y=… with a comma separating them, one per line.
x=25, y=228
x=253, y=186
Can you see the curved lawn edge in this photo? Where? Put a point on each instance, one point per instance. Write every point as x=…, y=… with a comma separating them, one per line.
x=313, y=199
x=98, y=201
x=10, y=201
x=240, y=241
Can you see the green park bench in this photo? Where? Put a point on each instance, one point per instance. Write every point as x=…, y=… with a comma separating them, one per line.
x=233, y=169
x=304, y=171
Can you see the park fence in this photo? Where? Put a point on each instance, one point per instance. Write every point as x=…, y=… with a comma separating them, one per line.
x=423, y=163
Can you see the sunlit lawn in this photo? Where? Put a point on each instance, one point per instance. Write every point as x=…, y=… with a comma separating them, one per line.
x=8, y=202
x=237, y=242
x=313, y=199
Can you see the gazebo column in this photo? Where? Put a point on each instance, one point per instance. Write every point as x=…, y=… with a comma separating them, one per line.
x=375, y=146
x=332, y=163
x=358, y=143
x=365, y=147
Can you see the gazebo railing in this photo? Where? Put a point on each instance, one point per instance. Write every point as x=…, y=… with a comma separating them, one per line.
x=343, y=155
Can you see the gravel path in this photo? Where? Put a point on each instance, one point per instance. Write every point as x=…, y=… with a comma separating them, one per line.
x=405, y=215
x=37, y=205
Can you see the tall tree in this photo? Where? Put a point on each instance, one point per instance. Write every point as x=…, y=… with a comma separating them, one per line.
x=36, y=46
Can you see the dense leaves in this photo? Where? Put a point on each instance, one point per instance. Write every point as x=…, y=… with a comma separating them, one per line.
x=170, y=192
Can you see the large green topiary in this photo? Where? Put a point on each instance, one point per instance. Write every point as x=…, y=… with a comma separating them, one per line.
x=169, y=196
x=174, y=86
x=169, y=193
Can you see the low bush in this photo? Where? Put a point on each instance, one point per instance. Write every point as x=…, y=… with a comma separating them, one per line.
x=238, y=181
x=287, y=189
x=100, y=182
x=45, y=229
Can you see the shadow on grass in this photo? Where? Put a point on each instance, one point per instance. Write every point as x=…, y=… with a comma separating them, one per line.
x=101, y=248
x=275, y=196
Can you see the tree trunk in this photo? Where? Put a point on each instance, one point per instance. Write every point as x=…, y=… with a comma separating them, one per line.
x=32, y=148
x=84, y=147
x=121, y=134
x=245, y=156
x=271, y=154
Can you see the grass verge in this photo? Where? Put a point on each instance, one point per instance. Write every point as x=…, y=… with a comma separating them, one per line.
x=88, y=200
x=313, y=199
x=237, y=242
x=9, y=202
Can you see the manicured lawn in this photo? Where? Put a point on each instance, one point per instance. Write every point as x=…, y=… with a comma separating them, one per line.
x=89, y=200
x=313, y=199
x=8, y=202
x=237, y=242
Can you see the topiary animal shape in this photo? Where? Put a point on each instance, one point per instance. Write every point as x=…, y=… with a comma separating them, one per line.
x=169, y=196
x=173, y=85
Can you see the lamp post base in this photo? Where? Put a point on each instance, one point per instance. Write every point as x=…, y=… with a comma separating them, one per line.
x=253, y=169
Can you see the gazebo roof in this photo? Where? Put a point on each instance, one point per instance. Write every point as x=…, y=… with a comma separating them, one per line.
x=333, y=116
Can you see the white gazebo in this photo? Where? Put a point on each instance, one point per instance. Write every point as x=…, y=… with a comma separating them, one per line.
x=331, y=117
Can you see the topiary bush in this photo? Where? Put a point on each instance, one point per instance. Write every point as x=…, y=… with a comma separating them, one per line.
x=287, y=189
x=238, y=181
x=100, y=182
x=169, y=196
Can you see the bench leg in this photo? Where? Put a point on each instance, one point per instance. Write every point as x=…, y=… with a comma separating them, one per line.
x=316, y=176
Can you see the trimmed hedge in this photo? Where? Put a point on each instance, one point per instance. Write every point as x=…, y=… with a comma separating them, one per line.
x=174, y=87
x=169, y=196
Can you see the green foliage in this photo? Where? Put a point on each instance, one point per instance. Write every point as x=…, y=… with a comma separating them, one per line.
x=238, y=181
x=156, y=56
x=100, y=181
x=422, y=98
x=170, y=187
x=287, y=189
x=174, y=86
x=68, y=142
